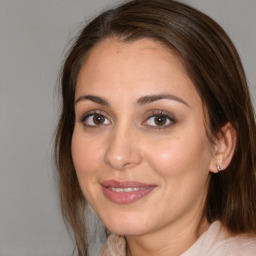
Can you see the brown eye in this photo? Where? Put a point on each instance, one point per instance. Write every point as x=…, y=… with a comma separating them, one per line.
x=160, y=120
x=94, y=120
x=98, y=119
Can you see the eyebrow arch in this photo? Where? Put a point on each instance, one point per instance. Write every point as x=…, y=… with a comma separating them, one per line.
x=141, y=101
x=93, y=98
x=152, y=98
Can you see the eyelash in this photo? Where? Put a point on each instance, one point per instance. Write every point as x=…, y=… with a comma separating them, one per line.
x=93, y=114
x=152, y=114
x=161, y=114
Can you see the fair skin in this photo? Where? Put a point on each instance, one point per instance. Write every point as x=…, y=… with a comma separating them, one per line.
x=140, y=123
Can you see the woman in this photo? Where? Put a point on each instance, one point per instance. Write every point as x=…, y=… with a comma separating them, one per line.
x=157, y=134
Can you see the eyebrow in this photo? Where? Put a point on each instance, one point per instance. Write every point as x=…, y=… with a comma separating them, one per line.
x=152, y=98
x=96, y=99
x=141, y=101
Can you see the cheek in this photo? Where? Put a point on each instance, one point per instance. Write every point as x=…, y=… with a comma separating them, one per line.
x=86, y=158
x=180, y=155
x=85, y=154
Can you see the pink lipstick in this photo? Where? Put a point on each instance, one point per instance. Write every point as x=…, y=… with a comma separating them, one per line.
x=125, y=192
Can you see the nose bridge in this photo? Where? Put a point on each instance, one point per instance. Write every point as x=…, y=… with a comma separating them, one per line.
x=122, y=150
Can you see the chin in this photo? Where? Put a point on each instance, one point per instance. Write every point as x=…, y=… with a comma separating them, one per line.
x=126, y=230
x=126, y=225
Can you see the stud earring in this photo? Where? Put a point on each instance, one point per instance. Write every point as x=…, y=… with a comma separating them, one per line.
x=219, y=168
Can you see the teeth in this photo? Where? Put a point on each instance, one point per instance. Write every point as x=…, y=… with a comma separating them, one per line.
x=124, y=189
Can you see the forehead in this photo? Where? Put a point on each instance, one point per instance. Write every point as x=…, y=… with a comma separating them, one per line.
x=130, y=55
x=136, y=68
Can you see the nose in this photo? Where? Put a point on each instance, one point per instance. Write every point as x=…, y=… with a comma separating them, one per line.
x=122, y=150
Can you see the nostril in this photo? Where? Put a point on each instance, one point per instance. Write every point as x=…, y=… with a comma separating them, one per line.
x=116, y=163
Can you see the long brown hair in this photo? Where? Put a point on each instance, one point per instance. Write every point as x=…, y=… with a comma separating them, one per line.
x=213, y=65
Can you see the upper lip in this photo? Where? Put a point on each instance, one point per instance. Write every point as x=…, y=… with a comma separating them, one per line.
x=125, y=184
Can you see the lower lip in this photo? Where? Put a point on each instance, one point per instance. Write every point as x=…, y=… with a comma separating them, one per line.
x=126, y=197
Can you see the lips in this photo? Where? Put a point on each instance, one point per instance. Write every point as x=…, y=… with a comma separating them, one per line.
x=125, y=192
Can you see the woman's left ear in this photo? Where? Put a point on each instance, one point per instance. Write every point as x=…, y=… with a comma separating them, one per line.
x=224, y=148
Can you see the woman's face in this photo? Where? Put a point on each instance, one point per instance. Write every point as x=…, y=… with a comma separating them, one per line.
x=139, y=146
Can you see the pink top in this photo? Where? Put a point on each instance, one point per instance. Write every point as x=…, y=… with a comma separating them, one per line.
x=214, y=242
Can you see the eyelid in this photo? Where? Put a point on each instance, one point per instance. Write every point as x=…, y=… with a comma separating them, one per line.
x=94, y=112
x=150, y=114
x=154, y=113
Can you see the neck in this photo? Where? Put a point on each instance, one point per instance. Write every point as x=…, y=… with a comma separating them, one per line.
x=169, y=242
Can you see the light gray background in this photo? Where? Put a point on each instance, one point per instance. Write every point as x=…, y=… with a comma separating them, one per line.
x=34, y=35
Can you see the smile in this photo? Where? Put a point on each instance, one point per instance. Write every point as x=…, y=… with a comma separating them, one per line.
x=125, y=192
x=125, y=189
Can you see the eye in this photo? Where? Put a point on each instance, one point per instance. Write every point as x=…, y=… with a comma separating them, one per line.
x=95, y=119
x=159, y=120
